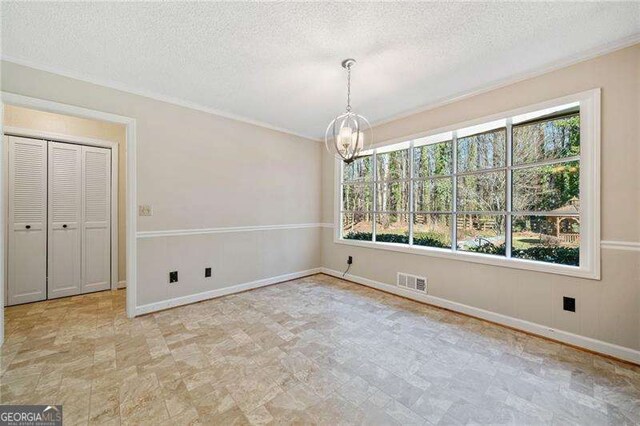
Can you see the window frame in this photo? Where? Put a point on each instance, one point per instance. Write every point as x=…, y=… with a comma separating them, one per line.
x=589, y=214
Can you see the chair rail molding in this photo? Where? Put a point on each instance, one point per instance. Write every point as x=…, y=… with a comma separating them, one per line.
x=620, y=245
x=228, y=229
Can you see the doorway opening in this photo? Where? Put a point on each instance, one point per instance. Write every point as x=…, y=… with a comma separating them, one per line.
x=67, y=205
x=65, y=224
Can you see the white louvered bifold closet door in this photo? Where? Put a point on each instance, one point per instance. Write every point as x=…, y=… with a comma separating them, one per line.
x=27, y=227
x=96, y=233
x=65, y=213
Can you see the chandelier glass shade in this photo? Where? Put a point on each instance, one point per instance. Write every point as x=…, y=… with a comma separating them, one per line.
x=349, y=133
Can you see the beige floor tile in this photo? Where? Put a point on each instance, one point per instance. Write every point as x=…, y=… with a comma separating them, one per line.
x=317, y=350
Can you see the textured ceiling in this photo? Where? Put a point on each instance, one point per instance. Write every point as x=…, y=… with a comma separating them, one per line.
x=279, y=63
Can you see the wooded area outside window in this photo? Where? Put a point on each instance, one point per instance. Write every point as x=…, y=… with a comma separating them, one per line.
x=507, y=188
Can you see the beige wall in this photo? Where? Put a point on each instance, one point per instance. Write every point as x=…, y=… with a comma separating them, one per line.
x=73, y=126
x=199, y=170
x=608, y=310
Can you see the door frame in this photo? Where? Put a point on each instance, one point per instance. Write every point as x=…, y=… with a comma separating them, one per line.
x=78, y=140
x=131, y=187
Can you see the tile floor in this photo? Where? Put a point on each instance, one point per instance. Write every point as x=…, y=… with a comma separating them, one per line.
x=312, y=351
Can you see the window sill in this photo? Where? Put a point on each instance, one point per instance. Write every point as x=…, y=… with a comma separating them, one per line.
x=486, y=259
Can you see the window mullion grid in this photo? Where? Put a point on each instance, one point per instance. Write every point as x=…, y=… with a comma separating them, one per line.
x=454, y=175
x=411, y=182
x=546, y=162
x=509, y=160
x=482, y=171
x=374, y=207
x=509, y=168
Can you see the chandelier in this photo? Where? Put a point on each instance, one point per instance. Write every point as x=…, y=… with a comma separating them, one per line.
x=349, y=133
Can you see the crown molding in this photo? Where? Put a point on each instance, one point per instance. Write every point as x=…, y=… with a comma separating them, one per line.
x=150, y=95
x=553, y=66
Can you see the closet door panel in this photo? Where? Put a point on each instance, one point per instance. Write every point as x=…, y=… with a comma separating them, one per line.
x=65, y=212
x=27, y=237
x=96, y=232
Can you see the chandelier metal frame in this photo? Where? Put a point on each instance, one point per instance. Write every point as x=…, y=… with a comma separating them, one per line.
x=347, y=134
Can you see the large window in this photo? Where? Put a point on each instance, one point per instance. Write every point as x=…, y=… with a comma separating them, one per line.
x=505, y=189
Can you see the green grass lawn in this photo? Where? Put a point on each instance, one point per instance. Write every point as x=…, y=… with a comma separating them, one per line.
x=525, y=241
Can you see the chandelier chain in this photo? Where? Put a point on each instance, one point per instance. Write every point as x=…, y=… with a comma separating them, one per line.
x=349, y=88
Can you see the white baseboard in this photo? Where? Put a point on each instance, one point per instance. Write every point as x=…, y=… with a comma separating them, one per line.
x=594, y=345
x=198, y=297
x=122, y=284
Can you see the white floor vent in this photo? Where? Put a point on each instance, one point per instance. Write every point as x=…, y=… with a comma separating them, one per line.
x=412, y=282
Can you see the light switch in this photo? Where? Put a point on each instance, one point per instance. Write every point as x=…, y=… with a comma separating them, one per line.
x=144, y=210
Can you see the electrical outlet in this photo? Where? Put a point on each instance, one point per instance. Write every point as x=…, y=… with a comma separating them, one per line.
x=349, y=260
x=207, y=272
x=173, y=277
x=144, y=210
x=569, y=304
